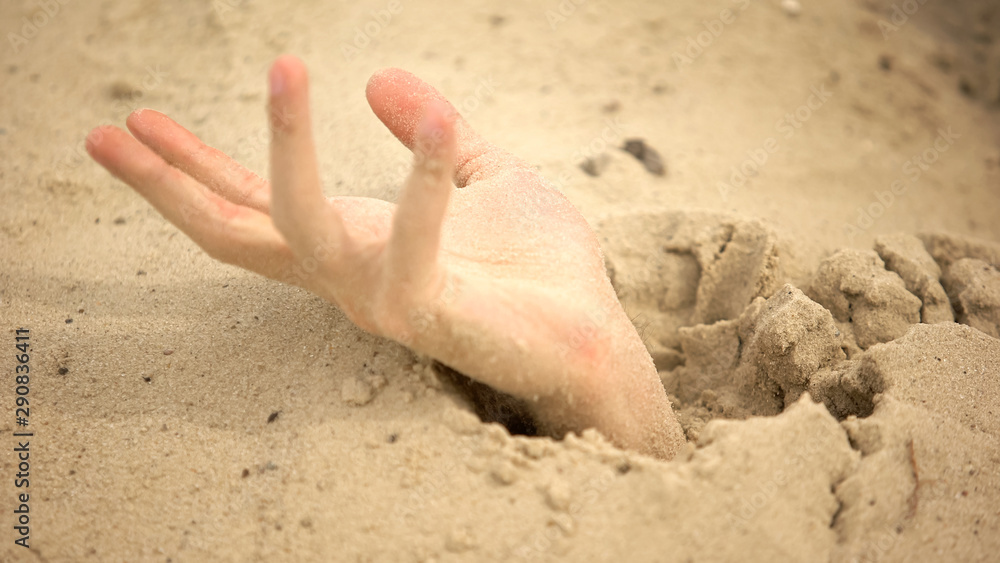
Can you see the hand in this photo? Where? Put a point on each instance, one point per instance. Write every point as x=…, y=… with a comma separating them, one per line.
x=502, y=279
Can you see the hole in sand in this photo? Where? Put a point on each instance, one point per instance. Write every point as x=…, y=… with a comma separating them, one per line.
x=489, y=404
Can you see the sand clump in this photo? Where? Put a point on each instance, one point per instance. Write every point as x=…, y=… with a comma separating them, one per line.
x=947, y=248
x=970, y=278
x=785, y=341
x=975, y=289
x=907, y=256
x=870, y=302
x=872, y=340
x=673, y=269
x=759, y=363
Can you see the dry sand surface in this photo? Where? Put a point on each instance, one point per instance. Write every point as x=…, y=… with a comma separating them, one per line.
x=827, y=327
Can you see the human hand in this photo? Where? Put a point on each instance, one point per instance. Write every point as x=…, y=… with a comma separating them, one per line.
x=501, y=279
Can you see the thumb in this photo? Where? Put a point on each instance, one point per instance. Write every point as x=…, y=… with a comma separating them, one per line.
x=401, y=100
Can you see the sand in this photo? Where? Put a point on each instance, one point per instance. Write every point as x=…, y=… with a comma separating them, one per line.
x=825, y=320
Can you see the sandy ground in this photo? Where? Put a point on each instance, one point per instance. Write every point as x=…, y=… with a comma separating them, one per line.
x=184, y=410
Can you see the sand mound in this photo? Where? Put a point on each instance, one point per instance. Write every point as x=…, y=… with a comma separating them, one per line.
x=918, y=401
x=930, y=452
x=776, y=502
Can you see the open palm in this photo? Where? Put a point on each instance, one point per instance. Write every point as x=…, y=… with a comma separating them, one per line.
x=501, y=279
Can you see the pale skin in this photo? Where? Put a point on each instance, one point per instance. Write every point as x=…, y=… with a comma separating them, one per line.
x=481, y=264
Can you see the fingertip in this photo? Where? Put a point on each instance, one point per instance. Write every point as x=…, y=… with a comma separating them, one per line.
x=374, y=81
x=96, y=138
x=289, y=94
x=136, y=115
x=287, y=73
x=384, y=77
x=441, y=112
x=438, y=121
x=276, y=80
x=140, y=119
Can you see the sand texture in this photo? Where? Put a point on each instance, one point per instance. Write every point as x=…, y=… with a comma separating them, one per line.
x=804, y=229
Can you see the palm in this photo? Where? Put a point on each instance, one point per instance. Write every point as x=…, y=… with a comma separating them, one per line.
x=509, y=239
x=501, y=279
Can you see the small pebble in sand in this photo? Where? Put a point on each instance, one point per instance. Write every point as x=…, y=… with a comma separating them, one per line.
x=503, y=472
x=564, y=522
x=167, y=352
x=558, y=495
x=461, y=421
x=646, y=155
x=595, y=165
x=122, y=90
x=356, y=392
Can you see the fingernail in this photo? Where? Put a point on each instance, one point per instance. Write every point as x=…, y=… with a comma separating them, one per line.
x=277, y=80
